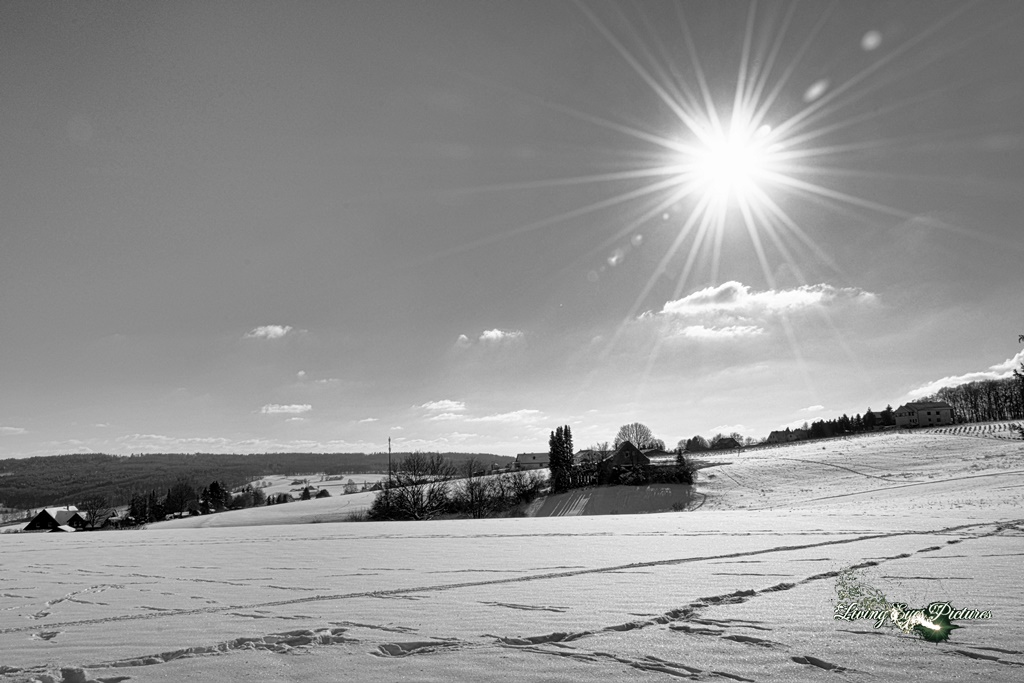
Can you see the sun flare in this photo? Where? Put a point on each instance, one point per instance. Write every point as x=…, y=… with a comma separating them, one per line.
x=732, y=164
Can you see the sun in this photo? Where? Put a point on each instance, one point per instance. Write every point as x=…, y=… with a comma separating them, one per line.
x=732, y=164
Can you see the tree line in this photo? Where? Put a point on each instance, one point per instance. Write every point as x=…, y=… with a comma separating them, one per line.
x=68, y=479
x=425, y=486
x=986, y=400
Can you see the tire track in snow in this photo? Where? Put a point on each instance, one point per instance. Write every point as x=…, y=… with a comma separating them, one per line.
x=885, y=477
x=791, y=503
x=399, y=592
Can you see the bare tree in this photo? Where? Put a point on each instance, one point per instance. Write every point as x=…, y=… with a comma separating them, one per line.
x=419, y=488
x=94, y=510
x=637, y=434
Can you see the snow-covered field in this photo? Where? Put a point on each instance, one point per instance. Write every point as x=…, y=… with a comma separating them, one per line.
x=740, y=588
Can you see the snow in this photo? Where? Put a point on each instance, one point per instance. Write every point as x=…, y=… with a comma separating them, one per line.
x=740, y=588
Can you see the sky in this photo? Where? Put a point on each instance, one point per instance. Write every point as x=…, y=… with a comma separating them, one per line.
x=317, y=226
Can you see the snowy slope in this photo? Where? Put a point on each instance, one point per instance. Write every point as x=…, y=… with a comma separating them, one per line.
x=740, y=589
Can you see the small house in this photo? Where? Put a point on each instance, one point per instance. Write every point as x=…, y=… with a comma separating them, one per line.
x=532, y=461
x=49, y=519
x=726, y=443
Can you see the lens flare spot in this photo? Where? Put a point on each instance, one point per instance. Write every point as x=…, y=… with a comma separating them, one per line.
x=816, y=90
x=637, y=240
x=616, y=257
x=871, y=41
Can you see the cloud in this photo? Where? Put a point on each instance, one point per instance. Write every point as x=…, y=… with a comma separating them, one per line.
x=445, y=404
x=812, y=409
x=300, y=374
x=730, y=332
x=514, y=416
x=268, y=332
x=733, y=310
x=736, y=298
x=440, y=417
x=497, y=336
x=398, y=429
x=327, y=380
x=11, y=431
x=798, y=424
x=296, y=419
x=368, y=419
x=729, y=429
x=997, y=371
x=291, y=409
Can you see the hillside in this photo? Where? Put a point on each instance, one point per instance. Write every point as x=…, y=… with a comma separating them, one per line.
x=741, y=588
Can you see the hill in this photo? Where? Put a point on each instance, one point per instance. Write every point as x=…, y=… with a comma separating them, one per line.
x=67, y=479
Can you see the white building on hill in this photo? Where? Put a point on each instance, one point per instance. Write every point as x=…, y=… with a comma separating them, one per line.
x=928, y=414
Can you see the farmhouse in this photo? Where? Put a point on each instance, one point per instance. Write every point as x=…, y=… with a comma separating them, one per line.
x=926, y=414
x=49, y=519
x=787, y=435
x=726, y=443
x=531, y=461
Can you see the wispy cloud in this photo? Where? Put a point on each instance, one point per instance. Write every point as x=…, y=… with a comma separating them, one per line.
x=524, y=415
x=728, y=332
x=290, y=409
x=997, y=371
x=729, y=429
x=445, y=405
x=268, y=332
x=369, y=419
x=812, y=409
x=10, y=431
x=441, y=417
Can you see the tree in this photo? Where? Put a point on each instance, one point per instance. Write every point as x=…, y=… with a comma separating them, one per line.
x=696, y=443
x=219, y=496
x=869, y=420
x=637, y=434
x=155, y=510
x=351, y=486
x=95, y=509
x=418, y=488
x=180, y=496
x=888, y=419
x=137, y=508
x=306, y=493
x=560, y=458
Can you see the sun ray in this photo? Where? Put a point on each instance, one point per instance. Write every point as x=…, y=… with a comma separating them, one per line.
x=691, y=48
x=739, y=104
x=787, y=73
x=638, y=68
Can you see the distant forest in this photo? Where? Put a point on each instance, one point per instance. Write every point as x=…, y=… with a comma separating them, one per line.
x=68, y=479
x=985, y=401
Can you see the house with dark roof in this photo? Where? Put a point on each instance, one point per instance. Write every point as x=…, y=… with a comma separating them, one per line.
x=924, y=414
x=49, y=519
x=726, y=443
